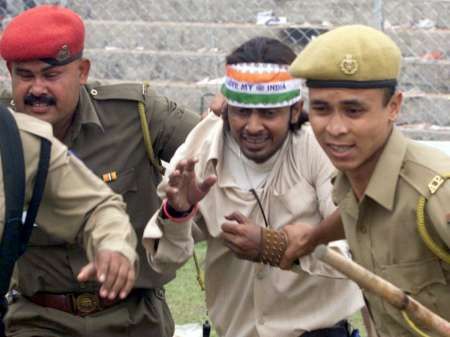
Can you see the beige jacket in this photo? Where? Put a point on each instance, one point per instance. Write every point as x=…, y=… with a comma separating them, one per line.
x=89, y=211
x=249, y=299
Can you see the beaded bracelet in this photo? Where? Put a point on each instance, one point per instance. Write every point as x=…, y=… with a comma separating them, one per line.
x=274, y=244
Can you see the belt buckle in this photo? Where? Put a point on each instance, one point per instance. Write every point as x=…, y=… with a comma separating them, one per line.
x=87, y=303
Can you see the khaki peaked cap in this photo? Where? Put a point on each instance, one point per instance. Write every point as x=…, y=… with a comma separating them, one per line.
x=353, y=56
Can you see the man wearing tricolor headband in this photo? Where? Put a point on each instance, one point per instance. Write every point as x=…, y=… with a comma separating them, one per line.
x=256, y=164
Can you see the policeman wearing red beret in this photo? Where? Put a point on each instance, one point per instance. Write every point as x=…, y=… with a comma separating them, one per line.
x=43, y=50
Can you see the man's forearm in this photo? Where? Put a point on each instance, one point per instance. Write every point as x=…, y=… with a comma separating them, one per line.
x=329, y=229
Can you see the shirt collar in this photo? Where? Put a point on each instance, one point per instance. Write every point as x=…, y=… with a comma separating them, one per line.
x=383, y=182
x=85, y=114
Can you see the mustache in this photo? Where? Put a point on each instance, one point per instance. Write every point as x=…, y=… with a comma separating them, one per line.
x=31, y=99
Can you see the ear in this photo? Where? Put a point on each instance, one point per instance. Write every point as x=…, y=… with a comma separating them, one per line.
x=296, y=110
x=394, y=106
x=84, y=66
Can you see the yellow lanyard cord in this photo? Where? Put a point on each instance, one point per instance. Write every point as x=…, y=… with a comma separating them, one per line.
x=413, y=326
x=146, y=133
x=425, y=235
x=200, y=277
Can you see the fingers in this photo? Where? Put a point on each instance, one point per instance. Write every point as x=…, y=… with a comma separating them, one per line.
x=218, y=104
x=129, y=284
x=230, y=228
x=206, y=184
x=288, y=258
x=175, y=178
x=230, y=240
x=178, y=190
x=114, y=271
x=184, y=167
x=102, y=265
x=88, y=272
x=291, y=253
x=171, y=193
x=189, y=165
x=106, y=272
x=123, y=284
x=244, y=243
x=237, y=216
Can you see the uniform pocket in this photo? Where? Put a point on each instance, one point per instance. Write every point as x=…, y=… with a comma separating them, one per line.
x=424, y=280
x=414, y=277
x=125, y=182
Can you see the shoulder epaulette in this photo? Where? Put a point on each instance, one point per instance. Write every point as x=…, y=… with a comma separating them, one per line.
x=425, y=169
x=120, y=91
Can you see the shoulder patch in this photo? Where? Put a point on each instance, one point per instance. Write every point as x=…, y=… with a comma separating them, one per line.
x=435, y=183
x=121, y=91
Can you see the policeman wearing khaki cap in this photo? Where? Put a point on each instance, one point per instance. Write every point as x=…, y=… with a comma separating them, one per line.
x=392, y=192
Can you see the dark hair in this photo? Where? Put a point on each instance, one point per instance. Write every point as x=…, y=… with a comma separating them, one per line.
x=388, y=92
x=262, y=50
x=266, y=50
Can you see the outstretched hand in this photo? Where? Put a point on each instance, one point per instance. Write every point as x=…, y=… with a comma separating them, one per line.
x=243, y=237
x=184, y=190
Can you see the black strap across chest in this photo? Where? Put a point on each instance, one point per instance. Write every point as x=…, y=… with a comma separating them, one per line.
x=16, y=233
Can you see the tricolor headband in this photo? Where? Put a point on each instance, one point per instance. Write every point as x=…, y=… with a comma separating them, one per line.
x=260, y=85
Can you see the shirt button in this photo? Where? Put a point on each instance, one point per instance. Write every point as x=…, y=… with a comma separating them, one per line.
x=260, y=275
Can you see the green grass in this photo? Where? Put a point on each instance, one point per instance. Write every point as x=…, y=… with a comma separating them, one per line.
x=187, y=301
x=185, y=298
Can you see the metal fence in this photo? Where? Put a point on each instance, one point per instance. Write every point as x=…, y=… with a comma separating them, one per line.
x=179, y=45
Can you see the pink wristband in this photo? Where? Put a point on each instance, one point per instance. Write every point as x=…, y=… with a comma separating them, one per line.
x=185, y=218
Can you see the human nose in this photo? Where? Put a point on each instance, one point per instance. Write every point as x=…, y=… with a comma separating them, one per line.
x=337, y=125
x=38, y=87
x=254, y=123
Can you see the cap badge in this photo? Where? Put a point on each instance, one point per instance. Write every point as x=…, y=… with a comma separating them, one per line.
x=349, y=65
x=63, y=53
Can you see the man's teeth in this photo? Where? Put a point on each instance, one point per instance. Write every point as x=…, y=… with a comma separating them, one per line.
x=340, y=148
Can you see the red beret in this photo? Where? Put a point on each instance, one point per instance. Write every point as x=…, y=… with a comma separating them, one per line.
x=50, y=33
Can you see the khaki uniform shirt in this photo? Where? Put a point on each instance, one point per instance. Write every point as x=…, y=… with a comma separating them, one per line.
x=249, y=299
x=76, y=205
x=382, y=231
x=106, y=135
